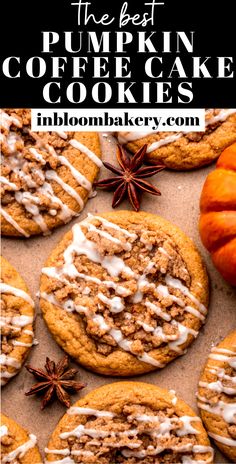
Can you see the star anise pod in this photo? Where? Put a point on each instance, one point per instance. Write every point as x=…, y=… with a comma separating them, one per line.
x=129, y=180
x=54, y=382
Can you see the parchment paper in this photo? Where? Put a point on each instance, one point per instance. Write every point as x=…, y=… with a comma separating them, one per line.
x=179, y=203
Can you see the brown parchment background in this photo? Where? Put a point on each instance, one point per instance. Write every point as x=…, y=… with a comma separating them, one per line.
x=179, y=203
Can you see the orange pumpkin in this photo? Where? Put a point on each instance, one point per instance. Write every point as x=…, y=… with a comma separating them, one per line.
x=218, y=214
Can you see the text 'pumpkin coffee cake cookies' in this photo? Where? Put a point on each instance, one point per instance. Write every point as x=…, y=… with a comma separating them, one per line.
x=186, y=150
x=46, y=177
x=132, y=423
x=17, y=446
x=16, y=321
x=124, y=293
x=217, y=396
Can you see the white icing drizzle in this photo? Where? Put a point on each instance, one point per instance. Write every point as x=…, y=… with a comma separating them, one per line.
x=80, y=178
x=216, y=354
x=16, y=343
x=224, y=440
x=67, y=452
x=3, y=431
x=148, y=245
x=146, y=358
x=176, y=283
x=199, y=449
x=82, y=430
x=187, y=428
x=222, y=350
x=146, y=327
x=63, y=452
x=30, y=203
x=22, y=320
x=11, y=141
x=81, y=453
x=157, y=310
x=66, y=213
x=52, y=175
x=37, y=155
x=7, y=360
x=221, y=116
x=164, y=292
x=162, y=142
x=112, y=225
x=143, y=282
x=184, y=333
x=76, y=410
x=219, y=387
x=62, y=134
x=16, y=321
x=115, y=304
x=4, y=180
x=66, y=460
x=20, y=450
x=126, y=137
x=29, y=332
x=6, y=120
x=126, y=345
x=8, y=289
x=195, y=312
x=226, y=410
x=12, y=221
x=164, y=252
x=90, y=154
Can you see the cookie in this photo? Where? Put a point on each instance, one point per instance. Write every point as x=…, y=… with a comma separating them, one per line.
x=217, y=396
x=17, y=446
x=186, y=150
x=129, y=422
x=46, y=177
x=124, y=293
x=17, y=314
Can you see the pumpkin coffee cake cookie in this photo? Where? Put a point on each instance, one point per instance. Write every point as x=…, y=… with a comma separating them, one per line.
x=16, y=320
x=186, y=150
x=46, y=177
x=124, y=293
x=217, y=396
x=17, y=446
x=131, y=423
